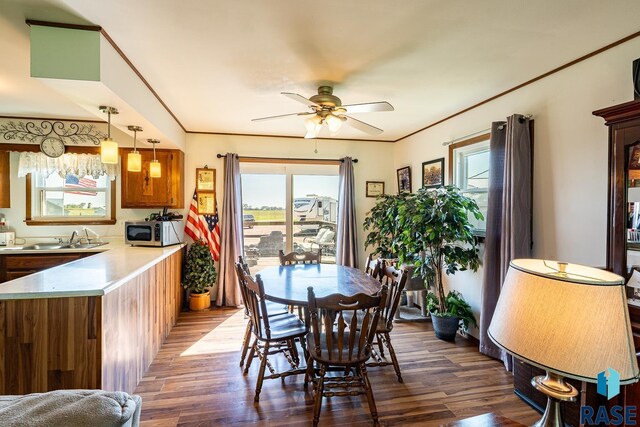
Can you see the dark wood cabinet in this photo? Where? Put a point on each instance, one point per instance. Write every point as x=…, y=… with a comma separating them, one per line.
x=623, y=122
x=5, y=180
x=13, y=266
x=139, y=190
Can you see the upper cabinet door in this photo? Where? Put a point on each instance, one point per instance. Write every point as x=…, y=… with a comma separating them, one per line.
x=139, y=190
x=5, y=199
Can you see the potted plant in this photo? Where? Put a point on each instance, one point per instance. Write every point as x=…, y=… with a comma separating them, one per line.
x=437, y=236
x=199, y=274
x=382, y=225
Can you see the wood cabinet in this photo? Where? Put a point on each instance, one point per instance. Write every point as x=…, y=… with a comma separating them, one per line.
x=5, y=180
x=13, y=266
x=139, y=190
x=623, y=122
x=92, y=342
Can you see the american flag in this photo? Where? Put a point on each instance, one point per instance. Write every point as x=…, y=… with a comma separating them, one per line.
x=72, y=181
x=205, y=227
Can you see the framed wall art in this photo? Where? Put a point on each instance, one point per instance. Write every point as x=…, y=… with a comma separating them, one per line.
x=205, y=179
x=206, y=203
x=375, y=188
x=433, y=173
x=404, y=179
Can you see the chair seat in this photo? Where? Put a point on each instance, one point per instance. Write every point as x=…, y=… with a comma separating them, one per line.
x=285, y=327
x=337, y=357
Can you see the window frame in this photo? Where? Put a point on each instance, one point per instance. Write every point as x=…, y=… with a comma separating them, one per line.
x=481, y=233
x=31, y=220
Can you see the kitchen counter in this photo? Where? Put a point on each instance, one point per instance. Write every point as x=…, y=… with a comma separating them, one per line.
x=99, y=274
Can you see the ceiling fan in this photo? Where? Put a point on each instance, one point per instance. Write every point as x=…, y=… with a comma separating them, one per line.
x=326, y=108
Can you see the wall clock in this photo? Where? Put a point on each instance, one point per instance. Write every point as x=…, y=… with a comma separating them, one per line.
x=52, y=147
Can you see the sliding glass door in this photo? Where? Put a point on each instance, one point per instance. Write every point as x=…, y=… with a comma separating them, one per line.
x=288, y=208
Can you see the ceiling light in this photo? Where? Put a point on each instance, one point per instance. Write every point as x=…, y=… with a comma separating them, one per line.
x=155, y=171
x=108, y=147
x=134, y=159
x=334, y=123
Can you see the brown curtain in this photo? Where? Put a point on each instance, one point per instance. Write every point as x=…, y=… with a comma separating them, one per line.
x=508, y=216
x=230, y=234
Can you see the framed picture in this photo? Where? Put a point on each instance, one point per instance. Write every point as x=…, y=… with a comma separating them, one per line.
x=375, y=188
x=205, y=179
x=206, y=203
x=433, y=173
x=404, y=179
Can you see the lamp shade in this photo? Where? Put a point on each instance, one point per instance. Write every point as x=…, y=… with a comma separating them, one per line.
x=566, y=318
x=134, y=162
x=109, y=151
x=155, y=171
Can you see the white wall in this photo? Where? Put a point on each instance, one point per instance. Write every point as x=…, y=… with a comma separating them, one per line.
x=374, y=162
x=570, y=155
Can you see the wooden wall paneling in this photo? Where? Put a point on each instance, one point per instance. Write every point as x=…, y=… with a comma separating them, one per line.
x=48, y=344
x=5, y=180
x=137, y=318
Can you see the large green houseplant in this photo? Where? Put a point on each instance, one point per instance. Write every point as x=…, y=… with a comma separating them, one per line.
x=382, y=226
x=199, y=274
x=437, y=236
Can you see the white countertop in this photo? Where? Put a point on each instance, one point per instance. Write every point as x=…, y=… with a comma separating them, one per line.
x=94, y=275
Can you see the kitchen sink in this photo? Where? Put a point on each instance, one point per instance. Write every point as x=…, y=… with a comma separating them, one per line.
x=53, y=246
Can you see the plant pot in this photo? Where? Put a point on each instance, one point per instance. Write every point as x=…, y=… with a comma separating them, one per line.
x=199, y=302
x=445, y=327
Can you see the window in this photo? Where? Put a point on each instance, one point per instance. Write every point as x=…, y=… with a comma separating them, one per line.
x=69, y=200
x=288, y=207
x=470, y=173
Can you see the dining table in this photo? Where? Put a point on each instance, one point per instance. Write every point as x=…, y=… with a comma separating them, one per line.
x=288, y=284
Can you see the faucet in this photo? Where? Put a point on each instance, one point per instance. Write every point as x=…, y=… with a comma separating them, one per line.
x=73, y=236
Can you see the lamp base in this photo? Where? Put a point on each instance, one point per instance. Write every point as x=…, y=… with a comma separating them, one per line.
x=557, y=391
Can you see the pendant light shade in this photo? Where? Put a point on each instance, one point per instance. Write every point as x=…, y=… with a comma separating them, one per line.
x=134, y=159
x=108, y=147
x=155, y=169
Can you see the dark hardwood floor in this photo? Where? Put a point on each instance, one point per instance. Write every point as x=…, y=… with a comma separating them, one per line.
x=195, y=380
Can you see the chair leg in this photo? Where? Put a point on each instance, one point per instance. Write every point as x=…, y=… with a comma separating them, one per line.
x=317, y=407
x=245, y=342
x=394, y=359
x=263, y=365
x=369, y=392
x=380, y=346
x=308, y=375
x=252, y=353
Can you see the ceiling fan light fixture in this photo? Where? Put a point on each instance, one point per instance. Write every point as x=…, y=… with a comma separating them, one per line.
x=334, y=123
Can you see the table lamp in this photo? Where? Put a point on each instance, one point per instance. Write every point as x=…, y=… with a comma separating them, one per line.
x=570, y=320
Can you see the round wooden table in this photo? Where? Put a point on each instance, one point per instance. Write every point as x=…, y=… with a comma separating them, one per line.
x=289, y=284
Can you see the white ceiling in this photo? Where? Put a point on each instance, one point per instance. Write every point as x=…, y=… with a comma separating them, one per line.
x=218, y=64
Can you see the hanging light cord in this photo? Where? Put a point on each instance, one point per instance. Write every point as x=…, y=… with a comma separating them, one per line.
x=109, y=120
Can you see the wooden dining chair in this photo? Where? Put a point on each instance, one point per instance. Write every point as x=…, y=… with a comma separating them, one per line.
x=395, y=280
x=270, y=333
x=372, y=266
x=273, y=309
x=293, y=258
x=334, y=343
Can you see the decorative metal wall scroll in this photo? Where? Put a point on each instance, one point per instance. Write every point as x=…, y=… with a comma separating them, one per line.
x=32, y=132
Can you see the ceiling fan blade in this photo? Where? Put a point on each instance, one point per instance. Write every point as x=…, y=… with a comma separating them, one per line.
x=362, y=126
x=261, y=119
x=368, y=107
x=300, y=99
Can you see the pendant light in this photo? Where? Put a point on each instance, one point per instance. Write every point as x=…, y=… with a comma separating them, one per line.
x=108, y=147
x=134, y=159
x=155, y=171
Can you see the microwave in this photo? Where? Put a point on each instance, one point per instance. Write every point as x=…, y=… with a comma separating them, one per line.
x=153, y=233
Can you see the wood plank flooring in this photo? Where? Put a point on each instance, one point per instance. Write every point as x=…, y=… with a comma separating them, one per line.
x=195, y=380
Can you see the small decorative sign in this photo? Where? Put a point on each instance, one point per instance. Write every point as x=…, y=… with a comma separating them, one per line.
x=205, y=179
x=375, y=188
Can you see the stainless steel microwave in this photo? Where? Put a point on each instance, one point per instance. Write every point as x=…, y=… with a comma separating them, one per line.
x=153, y=233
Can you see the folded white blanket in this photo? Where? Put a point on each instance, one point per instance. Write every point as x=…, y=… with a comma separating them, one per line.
x=71, y=408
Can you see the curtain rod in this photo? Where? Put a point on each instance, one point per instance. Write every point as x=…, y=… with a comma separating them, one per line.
x=521, y=119
x=287, y=159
